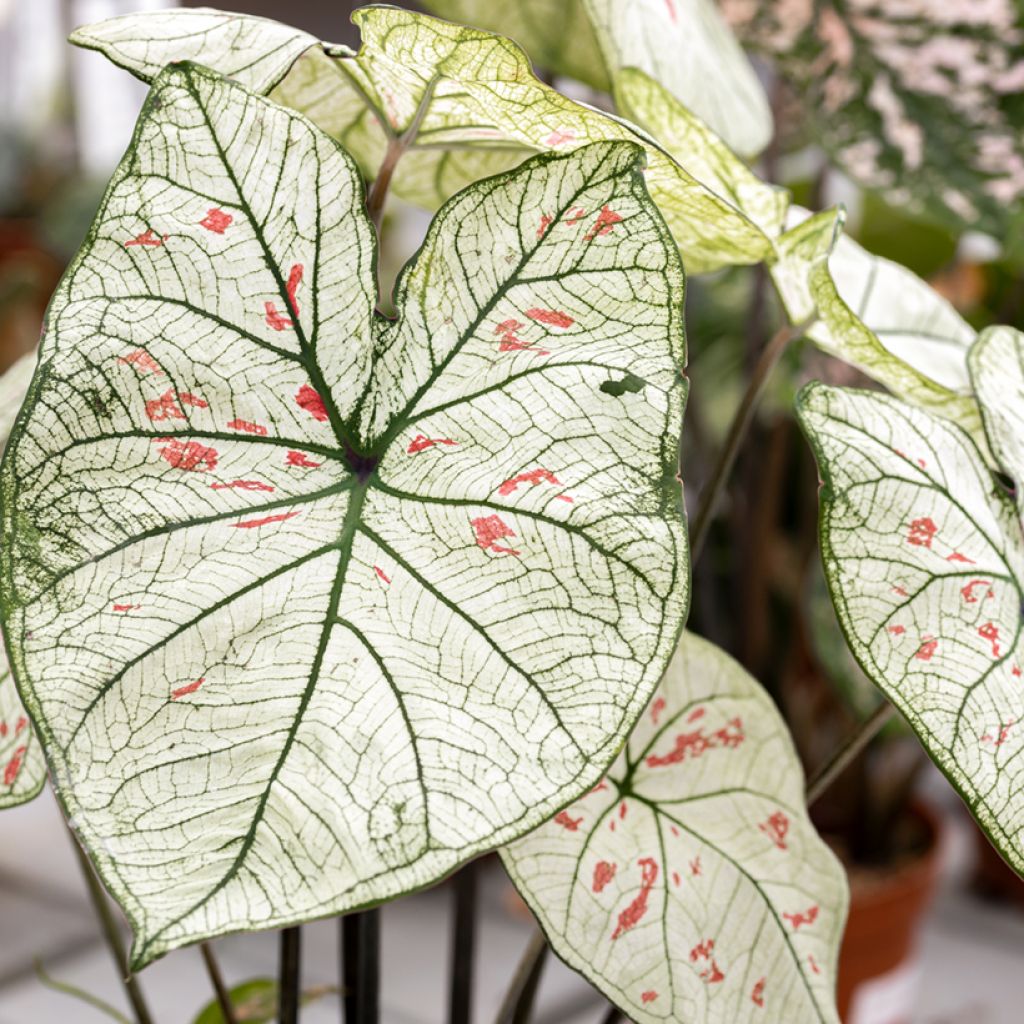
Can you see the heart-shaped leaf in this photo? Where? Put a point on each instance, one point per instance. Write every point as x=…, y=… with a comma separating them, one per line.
x=310, y=606
x=689, y=883
x=876, y=315
x=22, y=768
x=921, y=101
x=463, y=104
x=924, y=557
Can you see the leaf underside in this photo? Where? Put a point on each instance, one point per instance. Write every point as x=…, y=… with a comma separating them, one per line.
x=477, y=105
x=310, y=606
x=22, y=768
x=924, y=557
x=689, y=884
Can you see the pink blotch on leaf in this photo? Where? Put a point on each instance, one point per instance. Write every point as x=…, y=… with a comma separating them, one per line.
x=574, y=216
x=897, y=630
x=489, y=530
x=380, y=572
x=776, y=828
x=184, y=691
x=309, y=399
x=691, y=745
x=957, y=557
x=421, y=443
x=606, y=220
x=814, y=965
x=216, y=220
x=533, y=476
x=757, y=996
x=671, y=5
x=695, y=715
x=968, y=594
x=676, y=879
x=292, y=287
x=990, y=632
x=927, y=649
x=649, y=996
x=21, y=724
x=1004, y=733
x=900, y=591
x=634, y=913
x=148, y=238
x=551, y=317
x=302, y=460
x=243, y=485
x=274, y=319
x=604, y=872
x=250, y=524
x=142, y=361
x=567, y=822
x=656, y=709
x=802, y=917
x=14, y=766
x=922, y=532
x=560, y=137
x=188, y=455
x=124, y=608
x=248, y=427
x=545, y=223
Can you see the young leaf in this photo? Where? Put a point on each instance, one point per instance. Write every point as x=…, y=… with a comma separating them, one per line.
x=311, y=606
x=557, y=34
x=924, y=557
x=921, y=101
x=254, y=51
x=690, y=884
x=877, y=315
x=465, y=104
x=22, y=768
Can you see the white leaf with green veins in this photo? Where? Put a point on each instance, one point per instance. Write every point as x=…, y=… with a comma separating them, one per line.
x=309, y=605
x=924, y=557
x=690, y=884
x=878, y=316
x=254, y=51
x=479, y=110
x=22, y=768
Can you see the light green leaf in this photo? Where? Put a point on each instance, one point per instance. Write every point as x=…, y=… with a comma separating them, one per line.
x=254, y=51
x=996, y=364
x=687, y=47
x=22, y=768
x=924, y=557
x=479, y=110
x=920, y=100
x=309, y=605
x=878, y=316
x=697, y=148
x=557, y=34
x=255, y=1002
x=690, y=884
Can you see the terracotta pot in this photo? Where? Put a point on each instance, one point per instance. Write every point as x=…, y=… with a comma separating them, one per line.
x=886, y=910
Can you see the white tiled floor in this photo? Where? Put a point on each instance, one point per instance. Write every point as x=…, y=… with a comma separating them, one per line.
x=972, y=956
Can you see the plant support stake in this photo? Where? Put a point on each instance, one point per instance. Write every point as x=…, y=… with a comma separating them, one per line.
x=290, y=971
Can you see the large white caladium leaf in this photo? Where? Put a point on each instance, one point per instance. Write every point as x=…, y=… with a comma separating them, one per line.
x=684, y=44
x=466, y=104
x=924, y=556
x=310, y=605
x=876, y=315
x=22, y=768
x=920, y=99
x=689, y=884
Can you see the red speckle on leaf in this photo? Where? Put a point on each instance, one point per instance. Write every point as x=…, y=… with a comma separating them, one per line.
x=302, y=460
x=248, y=427
x=274, y=319
x=927, y=649
x=922, y=532
x=14, y=766
x=957, y=557
x=243, y=485
x=534, y=476
x=1004, y=732
x=604, y=872
x=606, y=220
x=633, y=914
x=545, y=223
x=380, y=572
x=968, y=592
x=676, y=879
x=649, y=996
x=814, y=966
x=148, y=238
x=511, y=342
x=623, y=809
x=802, y=917
x=690, y=745
x=310, y=400
x=990, y=632
x=900, y=591
x=656, y=709
x=702, y=951
x=164, y=408
x=601, y=786
x=551, y=317
x=216, y=220
x=897, y=630
x=574, y=216
x=570, y=824
x=1016, y=671
x=671, y=5
x=122, y=608
x=188, y=455
x=611, y=825
x=250, y=524
x=420, y=443
x=184, y=691
x=3, y=729
x=489, y=530
x=560, y=137
x=674, y=831
x=695, y=715
x=757, y=996
x=142, y=361
x=776, y=828
x=21, y=724
x=292, y=287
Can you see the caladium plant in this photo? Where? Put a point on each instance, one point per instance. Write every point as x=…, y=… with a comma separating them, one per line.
x=309, y=606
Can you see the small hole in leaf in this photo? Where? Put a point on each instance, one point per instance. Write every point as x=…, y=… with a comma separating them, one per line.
x=618, y=388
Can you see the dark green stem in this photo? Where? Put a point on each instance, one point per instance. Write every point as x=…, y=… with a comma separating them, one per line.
x=460, y=1004
x=841, y=760
x=522, y=992
x=227, y=1010
x=289, y=981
